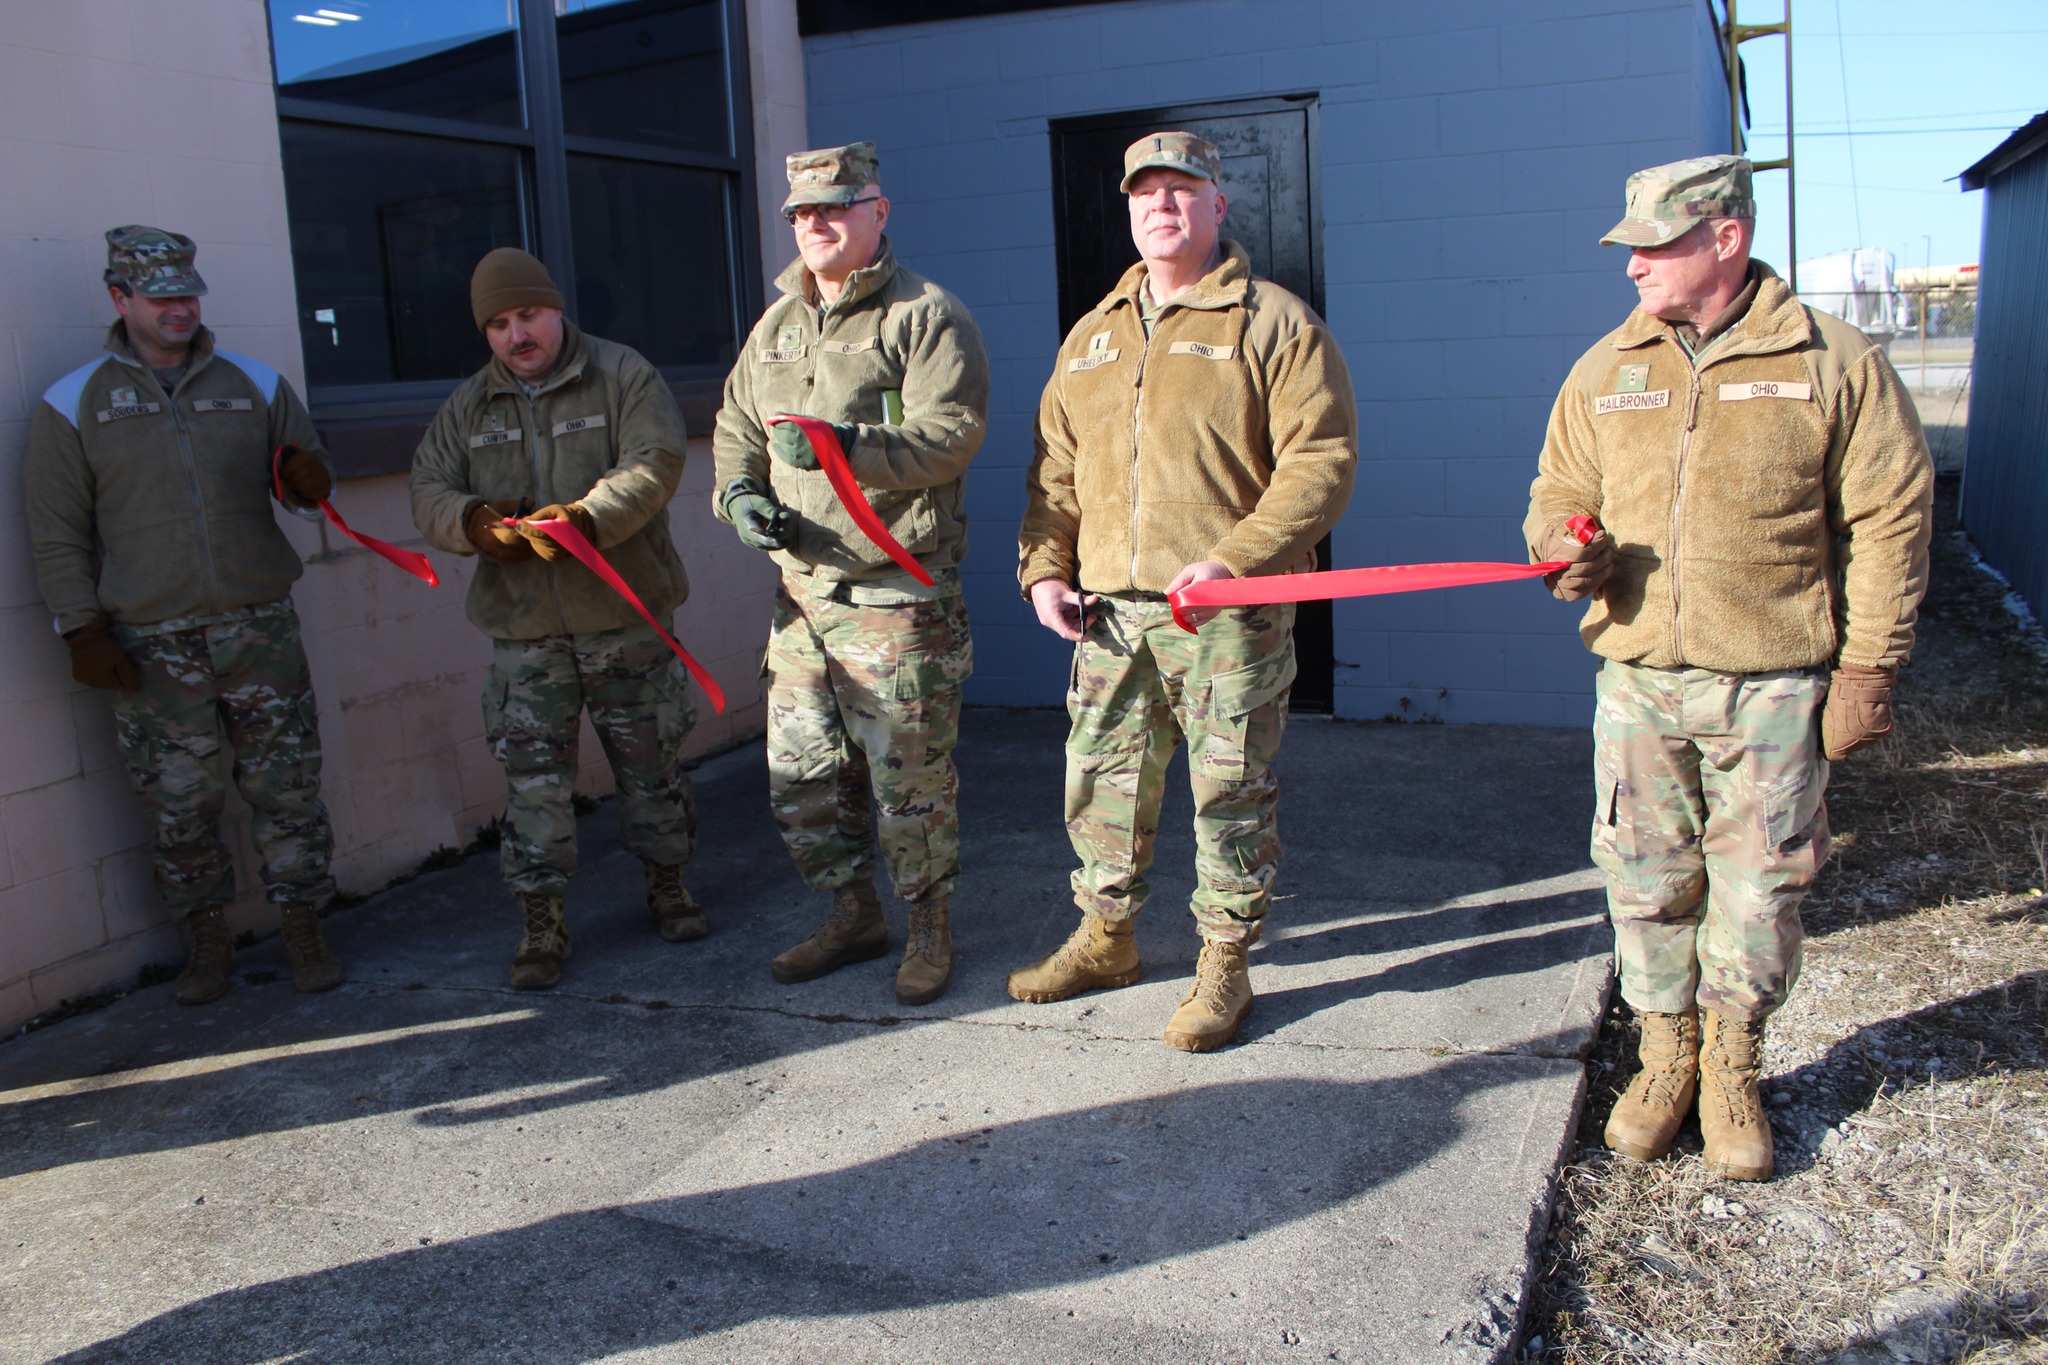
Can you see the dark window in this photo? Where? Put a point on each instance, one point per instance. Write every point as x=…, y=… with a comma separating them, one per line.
x=385, y=231
x=645, y=71
x=650, y=257
x=601, y=135
x=444, y=58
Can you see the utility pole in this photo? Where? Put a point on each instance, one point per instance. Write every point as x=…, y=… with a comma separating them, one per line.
x=1735, y=34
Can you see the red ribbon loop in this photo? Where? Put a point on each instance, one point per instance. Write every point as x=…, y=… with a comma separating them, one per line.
x=1334, y=583
x=831, y=459
x=565, y=534
x=411, y=561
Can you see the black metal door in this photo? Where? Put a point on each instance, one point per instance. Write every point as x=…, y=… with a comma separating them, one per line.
x=1268, y=150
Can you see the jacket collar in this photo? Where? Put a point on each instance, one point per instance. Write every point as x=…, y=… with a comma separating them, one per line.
x=1776, y=321
x=1223, y=287
x=119, y=347
x=569, y=369
x=796, y=279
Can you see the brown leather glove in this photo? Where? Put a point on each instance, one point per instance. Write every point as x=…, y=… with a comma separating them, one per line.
x=572, y=513
x=97, y=659
x=1859, y=709
x=1590, y=562
x=304, y=477
x=493, y=539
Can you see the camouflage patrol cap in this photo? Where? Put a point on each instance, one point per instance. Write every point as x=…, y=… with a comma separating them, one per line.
x=152, y=262
x=1666, y=202
x=832, y=175
x=1177, y=152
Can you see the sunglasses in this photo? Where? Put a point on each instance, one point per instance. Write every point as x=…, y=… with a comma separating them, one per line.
x=824, y=213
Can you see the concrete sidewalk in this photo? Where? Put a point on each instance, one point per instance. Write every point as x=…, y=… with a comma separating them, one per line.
x=674, y=1158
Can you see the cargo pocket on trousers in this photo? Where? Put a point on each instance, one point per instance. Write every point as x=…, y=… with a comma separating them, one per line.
x=1607, y=824
x=675, y=713
x=1244, y=713
x=494, y=715
x=1795, y=827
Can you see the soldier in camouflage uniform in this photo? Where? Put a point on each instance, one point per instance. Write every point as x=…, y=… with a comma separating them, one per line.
x=565, y=426
x=864, y=664
x=149, y=486
x=1237, y=462
x=1763, y=487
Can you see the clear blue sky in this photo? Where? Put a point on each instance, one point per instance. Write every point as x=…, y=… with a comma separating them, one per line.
x=1931, y=86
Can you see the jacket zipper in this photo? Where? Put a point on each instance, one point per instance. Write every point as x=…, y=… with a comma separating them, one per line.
x=198, y=496
x=1137, y=425
x=540, y=498
x=1692, y=409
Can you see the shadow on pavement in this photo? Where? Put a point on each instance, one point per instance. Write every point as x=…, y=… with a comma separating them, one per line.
x=1045, y=1202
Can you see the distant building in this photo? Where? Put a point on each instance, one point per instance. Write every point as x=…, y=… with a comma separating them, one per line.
x=2005, y=473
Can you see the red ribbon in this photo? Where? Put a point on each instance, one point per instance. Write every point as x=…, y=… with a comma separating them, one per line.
x=1333, y=583
x=565, y=534
x=831, y=459
x=411, y=561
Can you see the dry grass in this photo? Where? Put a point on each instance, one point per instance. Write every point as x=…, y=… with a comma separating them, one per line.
x=1908, y=1074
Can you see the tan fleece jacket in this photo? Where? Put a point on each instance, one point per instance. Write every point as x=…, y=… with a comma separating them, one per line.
x=1230, y=435
x=1769, y=507
x=892, y=337
x=147, y=506
x=603, y=430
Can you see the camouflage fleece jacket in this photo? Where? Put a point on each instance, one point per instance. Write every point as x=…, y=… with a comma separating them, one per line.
x=603, y=430
x=900, y=358
x=1769, y=504
x=147, y=506
x=1230, y=435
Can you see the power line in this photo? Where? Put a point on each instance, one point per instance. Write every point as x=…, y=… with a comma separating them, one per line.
x=1886, y=132
x=1842, y=56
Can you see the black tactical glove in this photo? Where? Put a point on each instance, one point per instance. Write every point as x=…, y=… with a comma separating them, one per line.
x=97, y=659
x=787, y=443
x=762, y=522
x=304, y=476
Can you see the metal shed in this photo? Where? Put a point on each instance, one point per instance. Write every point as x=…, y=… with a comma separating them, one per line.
x=2005, y=473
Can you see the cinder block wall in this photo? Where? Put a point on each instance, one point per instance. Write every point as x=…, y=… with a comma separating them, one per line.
x=397, y=666
x=1471, y=154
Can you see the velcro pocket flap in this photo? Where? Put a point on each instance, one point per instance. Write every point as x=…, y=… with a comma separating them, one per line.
x=1244, y=690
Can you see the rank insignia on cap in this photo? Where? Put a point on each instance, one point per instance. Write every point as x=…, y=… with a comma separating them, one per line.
x=1632, y=379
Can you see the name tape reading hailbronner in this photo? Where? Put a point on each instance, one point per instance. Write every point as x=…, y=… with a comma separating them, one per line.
x=1766, y=388
x=1629, y=402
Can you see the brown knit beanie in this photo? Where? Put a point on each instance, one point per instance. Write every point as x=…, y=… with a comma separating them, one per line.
x=509, y=278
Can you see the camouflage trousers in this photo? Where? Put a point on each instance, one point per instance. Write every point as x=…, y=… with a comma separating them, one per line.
x=1140, y=683
x=241, y=678
x=863, y=713
x=1711, y=824
x=639, y=705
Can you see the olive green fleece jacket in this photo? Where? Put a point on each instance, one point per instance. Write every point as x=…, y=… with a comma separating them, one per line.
x=604, y=431
x=1769, y=505
x=890, y=332
x=147, y=506
x=1230, y=435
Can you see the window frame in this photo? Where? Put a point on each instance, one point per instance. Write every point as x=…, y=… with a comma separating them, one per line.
x=545, y=146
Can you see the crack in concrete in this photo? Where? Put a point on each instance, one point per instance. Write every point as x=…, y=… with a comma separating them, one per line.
x=615, y=1000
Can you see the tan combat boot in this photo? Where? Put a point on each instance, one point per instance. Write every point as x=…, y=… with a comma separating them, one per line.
x=1646, y=1117
x=677, y=916
x=928, y=956
x=1218, y=1001
x=537, y=966
x=205, y=978
x=1732, y=1121
x=854, y=932
x=1098, y=955
x=314, y=965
